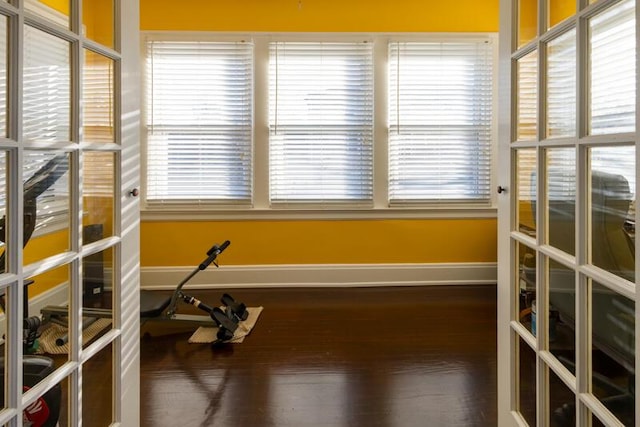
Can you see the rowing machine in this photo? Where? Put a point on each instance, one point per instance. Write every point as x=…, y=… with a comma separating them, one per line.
x=157, y=307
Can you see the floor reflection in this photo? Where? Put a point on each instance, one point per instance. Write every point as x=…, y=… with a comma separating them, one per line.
x=314, y=359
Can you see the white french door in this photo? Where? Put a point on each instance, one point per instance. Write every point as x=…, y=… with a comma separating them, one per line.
x=69, y=160
x=568, y=155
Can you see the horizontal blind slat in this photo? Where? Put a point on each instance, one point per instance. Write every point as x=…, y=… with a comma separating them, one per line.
x=440, y=110
x=321, y=122
x=199, y=102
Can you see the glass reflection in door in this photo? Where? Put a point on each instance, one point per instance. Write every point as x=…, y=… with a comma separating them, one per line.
x=46, y=204
x=613, y=351
x=46, y=86
x=612, y=207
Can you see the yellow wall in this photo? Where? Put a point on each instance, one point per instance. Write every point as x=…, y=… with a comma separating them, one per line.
x=320, y=242
x=320, y=15
x=559, y=10
x=41, y=247
x=97, y=17
x=184, y=243
x=61, y=6
x=527, y=21
x=99, y=210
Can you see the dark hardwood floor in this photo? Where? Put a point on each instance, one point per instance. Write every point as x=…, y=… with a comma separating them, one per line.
x=416, y=356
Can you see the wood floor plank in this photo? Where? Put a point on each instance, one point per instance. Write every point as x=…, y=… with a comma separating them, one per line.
x=415, y=356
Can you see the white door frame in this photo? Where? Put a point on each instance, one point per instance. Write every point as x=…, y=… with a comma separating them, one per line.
x=123, y=338
x=128, y=348
x=509, y=330
x=505, y=337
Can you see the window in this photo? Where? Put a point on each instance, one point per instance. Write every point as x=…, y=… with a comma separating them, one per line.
x=440, y=121
x=199, y=122
x=312, y=122
x=321, y=122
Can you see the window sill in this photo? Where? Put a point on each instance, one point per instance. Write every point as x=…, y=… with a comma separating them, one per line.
x=248, y=214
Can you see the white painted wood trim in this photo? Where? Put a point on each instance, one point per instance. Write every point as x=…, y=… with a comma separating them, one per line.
x=321, y=275
x=127, y=274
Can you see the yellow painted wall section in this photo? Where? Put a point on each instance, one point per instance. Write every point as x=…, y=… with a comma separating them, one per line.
x=184, y=243
x=98, y=19
x=559, y=10
x=100, y=210
x=320, y=242
x=49, y=280
x=61, y=6
x=527, y=21
x=320, y=15
x=41, y=247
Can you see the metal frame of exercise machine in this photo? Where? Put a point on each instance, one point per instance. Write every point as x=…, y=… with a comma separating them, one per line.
x=159, y=307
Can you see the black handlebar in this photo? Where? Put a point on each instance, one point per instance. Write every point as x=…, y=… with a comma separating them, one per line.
x=213, y=253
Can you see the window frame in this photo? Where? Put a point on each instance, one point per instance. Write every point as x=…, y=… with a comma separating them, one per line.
x=380, y=207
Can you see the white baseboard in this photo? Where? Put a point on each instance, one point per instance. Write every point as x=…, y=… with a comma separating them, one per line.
x=325, y=275
x=56, y=296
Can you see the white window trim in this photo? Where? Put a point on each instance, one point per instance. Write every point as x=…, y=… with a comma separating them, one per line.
x=260, y=209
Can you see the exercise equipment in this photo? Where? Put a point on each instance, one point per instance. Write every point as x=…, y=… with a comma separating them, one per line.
x=226, y=318
x=45, y=411
x=155, y=306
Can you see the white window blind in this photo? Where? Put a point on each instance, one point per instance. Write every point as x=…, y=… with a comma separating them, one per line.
x=46, y=117
x=98, y=177
x=3, y=75
x=440, y=107
x=97, y=98
x=561, y=85
x=613, y=69
x=199, y=106
x=321, y=122
x=47, y=87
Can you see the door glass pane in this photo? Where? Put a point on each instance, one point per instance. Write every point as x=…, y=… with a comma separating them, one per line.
x=526, y=290
x=562, y=407
x=527, y=21
x=561, y=198
x=47, y=87
x=97, y=293
x=612, y=206
x=56, y=11
x=613, y=351
x=561, y=85
x=98, y=193
x=3, y=75
x=3, y=348
x=595, y=421
x=50, y=336
x=55, y=403
x=612, y=69
x=46, y=204
x=98, y=89
x=559, y=10
x=561, y=320
x=97, y=21
x=527, y=73
x=527, y=383
x=3, y=209
x=527, y=195
x=97, y=389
